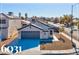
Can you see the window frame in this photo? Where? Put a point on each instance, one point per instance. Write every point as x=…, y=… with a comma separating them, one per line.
x=2, y=21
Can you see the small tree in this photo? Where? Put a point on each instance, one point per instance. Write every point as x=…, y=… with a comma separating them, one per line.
x=61, y=29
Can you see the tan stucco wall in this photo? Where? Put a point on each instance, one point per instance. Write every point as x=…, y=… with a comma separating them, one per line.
x=13, y=26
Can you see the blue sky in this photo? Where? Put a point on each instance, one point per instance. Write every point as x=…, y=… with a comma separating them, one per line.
x=40, y=9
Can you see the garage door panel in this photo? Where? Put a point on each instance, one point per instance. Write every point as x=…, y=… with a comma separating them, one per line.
x=30, y=35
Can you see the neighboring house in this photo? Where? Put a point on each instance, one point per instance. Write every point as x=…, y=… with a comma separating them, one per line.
x=4, y=24
x=36, y=30
x=54, y=27
x=8, y=25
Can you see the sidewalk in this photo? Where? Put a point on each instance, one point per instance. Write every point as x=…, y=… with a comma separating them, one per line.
x=75, y=41
x=75, y=33
x=32, y=51
x=37, y=51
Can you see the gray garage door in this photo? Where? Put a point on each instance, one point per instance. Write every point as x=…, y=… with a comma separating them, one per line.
x=30, y=35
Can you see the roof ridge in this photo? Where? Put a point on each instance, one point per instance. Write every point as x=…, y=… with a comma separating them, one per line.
x=9, y=16
x=32, y=25
x=4, y=15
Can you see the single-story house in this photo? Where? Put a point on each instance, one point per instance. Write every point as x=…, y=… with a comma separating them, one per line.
x=36, y=30
x=33, y=31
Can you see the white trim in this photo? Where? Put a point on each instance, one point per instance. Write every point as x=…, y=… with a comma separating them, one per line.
x=55, y=38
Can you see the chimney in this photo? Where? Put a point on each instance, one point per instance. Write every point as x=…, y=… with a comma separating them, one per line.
x=10, y=13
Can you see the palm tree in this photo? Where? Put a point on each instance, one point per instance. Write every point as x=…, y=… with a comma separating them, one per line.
x=26, y=16
x=61, y=20
x=66, y=19
x=19, y=14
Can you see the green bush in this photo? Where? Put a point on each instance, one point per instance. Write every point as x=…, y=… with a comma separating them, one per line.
x=61, y=29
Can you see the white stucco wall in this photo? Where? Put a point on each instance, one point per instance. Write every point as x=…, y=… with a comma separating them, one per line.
x=2, y=17
x=4, y=32
x=42, y=34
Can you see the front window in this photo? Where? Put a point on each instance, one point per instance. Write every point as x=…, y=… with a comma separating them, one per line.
x=51, y=32
x=2, y=21
x=3, y=27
